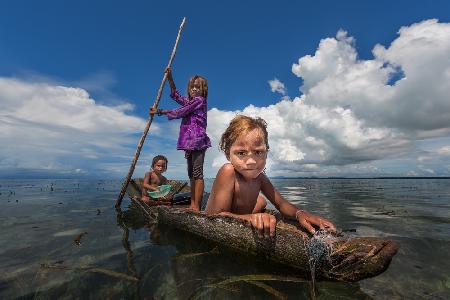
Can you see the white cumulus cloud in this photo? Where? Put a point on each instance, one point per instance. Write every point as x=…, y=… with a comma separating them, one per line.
x=362, y=116
x=388, y=115
x=59, y=128
x=277, y=86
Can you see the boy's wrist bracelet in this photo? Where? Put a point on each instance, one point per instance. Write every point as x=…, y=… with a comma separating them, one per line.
x=299, y=211
x=159, y=112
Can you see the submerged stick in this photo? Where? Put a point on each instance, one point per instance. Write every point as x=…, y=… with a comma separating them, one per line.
x=252, y=279
x=149, y=122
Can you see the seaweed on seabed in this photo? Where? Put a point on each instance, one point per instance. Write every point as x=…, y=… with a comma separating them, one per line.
x=104, y=271
x=254, y=279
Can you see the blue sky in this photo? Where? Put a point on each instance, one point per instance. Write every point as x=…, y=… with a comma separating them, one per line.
x=338, y=82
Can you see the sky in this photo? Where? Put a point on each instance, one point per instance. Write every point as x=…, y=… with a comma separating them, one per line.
x=348, y=88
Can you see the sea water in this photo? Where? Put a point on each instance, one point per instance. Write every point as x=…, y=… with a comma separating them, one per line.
x=64, y=239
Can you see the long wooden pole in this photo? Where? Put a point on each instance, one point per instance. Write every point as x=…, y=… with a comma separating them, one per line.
x=149, y=121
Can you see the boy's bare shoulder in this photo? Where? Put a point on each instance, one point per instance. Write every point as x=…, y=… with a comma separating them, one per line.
x=226, y=172
x=227, y=169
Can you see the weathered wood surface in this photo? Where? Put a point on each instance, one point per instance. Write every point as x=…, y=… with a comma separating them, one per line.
x=349, y=259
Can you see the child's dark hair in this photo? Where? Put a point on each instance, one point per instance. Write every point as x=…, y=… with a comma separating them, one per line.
x=204, y=86
x=240, y=125
x=159, y=157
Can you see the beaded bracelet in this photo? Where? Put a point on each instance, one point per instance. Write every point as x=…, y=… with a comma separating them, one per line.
x=298, y=212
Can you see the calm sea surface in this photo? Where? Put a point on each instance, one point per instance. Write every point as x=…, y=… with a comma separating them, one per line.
x=64, y=239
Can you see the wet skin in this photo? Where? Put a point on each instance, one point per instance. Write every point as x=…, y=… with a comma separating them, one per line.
x=237, y=186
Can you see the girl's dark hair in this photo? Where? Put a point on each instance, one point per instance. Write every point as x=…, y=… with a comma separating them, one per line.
x=204, y=86
x=241, y=125
x=159, y=157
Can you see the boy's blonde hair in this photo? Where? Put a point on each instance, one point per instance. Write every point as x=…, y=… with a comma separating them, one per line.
x=241, y=125
x=204, y=86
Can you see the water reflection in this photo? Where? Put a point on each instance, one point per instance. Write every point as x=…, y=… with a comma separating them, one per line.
x=40, y=219
x=201, y=269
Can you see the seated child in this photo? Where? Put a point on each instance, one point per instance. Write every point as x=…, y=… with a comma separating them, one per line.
x=154, y=178
x=236, y=189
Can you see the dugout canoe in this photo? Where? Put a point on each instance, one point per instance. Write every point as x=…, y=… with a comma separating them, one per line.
x=338, y=258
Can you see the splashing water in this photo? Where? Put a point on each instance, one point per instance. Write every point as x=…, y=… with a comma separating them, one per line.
x=319, y=248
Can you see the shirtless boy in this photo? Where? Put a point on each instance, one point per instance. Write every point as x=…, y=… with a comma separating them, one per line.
x=154, y=178
x=236, y=189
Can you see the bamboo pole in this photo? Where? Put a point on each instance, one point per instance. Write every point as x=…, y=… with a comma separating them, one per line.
x=149, y=121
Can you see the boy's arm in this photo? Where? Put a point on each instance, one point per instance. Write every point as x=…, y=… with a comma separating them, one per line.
x=305, y=219
x=147, y=185
x=221, y=198
x=264, y=223
x=152, y=187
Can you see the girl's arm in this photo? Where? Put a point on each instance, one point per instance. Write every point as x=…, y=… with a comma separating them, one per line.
x=181, y=112
x=194, y=104
x=182, y=100
x=305, y=219
x=221, y=198
x=173, y=88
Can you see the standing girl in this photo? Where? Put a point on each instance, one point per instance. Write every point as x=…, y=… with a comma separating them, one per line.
x=193, y=138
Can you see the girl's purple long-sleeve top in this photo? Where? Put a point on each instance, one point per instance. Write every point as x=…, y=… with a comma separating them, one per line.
x=193, y=124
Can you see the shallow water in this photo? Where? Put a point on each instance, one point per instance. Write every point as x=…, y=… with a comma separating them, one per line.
x=64, y=239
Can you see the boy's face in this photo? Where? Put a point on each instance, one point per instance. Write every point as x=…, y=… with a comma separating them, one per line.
x=248, y=154
x=196, y=88
x=160, y=166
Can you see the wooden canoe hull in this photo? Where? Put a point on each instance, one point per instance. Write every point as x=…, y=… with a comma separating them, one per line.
x=348, y=259
x=351, y=259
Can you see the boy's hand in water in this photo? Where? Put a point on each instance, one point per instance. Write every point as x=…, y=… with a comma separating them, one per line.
x=264, y=223
x=309, y=221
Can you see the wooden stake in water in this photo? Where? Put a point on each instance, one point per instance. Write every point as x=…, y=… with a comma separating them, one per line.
x=149, y=122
